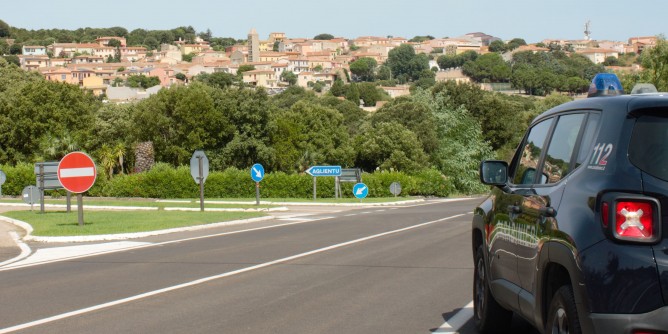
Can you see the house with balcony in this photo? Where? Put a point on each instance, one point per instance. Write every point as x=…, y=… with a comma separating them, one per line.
x=261, y=78
x=94, y=84
x=33, y=62
x=88, y=60
x=304, y=78
x=104, y=41
x=33, y=50
x=598, y=55
x=166, y=76
x=272, y=56
x=289, y=45
x=61, y=75
x=209, y=56
x=279, y=68
x=69, y=50
x=105, y=52
x=639, y=44
x=298, y=65
x=133, y=53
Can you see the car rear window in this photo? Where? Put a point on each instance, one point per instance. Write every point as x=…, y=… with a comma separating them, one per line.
x=648, y=149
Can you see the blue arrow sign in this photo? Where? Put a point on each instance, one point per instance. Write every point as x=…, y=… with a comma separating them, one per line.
x=257, y=172
x=324, y=171
x=360, y=190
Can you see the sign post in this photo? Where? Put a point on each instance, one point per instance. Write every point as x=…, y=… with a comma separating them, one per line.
x=360, y=191
x=47, y=178
x=77, y=173
x=3, y=178
x=395, y=188
x=257, y=174
x=316, y=171
x=30, y=195
x=199, y=170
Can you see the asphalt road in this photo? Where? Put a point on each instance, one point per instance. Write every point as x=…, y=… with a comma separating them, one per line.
x=388, y=270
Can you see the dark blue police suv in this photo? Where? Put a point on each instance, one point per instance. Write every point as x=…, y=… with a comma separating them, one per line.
x=574, y=235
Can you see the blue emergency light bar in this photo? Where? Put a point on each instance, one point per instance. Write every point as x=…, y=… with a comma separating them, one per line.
x=605, y=84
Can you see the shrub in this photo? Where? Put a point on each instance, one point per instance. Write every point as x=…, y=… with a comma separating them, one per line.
x=164, y=181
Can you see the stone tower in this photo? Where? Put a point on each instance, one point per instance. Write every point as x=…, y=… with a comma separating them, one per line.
x=253, y=46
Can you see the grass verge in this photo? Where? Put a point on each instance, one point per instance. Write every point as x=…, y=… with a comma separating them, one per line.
x=57, y=223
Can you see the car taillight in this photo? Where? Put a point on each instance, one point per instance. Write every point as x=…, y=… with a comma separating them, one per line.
x=631, y=217
x=634, y=220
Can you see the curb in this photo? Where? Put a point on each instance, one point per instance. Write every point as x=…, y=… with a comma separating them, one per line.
x=123, y=236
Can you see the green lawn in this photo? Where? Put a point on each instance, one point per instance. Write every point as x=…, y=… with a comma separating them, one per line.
x=114, y=222
x=182, y=203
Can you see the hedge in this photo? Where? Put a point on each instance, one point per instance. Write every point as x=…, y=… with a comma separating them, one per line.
x=165, y=181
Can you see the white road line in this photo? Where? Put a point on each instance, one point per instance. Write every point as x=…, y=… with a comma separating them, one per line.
x=456, y=321
x=162, y=243
x=380, y=210
x=211, y=278
x=295, y=219
x=25, y=250
x=350, y=215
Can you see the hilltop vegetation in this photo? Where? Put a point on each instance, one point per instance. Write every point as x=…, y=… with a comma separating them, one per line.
x=441, y=129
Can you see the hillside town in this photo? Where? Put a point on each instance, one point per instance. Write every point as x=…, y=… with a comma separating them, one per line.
x=89, y=65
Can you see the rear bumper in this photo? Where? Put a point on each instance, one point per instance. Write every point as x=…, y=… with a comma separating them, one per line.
x=654, y=322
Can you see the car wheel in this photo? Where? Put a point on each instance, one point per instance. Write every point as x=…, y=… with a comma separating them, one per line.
x=563, y=315
x=489, y=316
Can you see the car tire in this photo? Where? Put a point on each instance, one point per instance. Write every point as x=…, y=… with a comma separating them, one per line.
x=563, y=314
x=489, y=316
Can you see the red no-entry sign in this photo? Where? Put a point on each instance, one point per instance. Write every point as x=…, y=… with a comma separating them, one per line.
x=76, y=172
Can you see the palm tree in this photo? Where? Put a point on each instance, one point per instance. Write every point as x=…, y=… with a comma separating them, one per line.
x=107, y=159
x=119, y=153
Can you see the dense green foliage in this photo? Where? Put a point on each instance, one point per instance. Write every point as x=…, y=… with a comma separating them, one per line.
x=165, y=181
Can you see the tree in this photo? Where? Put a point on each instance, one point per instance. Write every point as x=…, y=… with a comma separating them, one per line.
x=369, y=93
x=416, y=117
x=497, y=46
x=353, y=93
x=312, y=131
x=390, y=145
x=289, y=77
x=323, y=37
x=384, y=73
x=427, y=79
x=188, y=57
x=461, y=144
x=497, y=114
x=405, y=64
x=364, y=68
x=114, y=43
x=338, y=88
x=12, y=59
x=182, y=119
x=5, y=29
x=420, y=39
x=33, y=108
x=217, y=79
x=655, y=62
x=16, y=49
x=488, y=68
x=180, y=76
x=137, y=81
x=515, y=43
x=244, y=68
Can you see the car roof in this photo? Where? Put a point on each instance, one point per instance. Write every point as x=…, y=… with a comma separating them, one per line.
x=621, y=103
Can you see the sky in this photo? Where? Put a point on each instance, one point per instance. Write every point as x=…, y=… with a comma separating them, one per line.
x=532, y=20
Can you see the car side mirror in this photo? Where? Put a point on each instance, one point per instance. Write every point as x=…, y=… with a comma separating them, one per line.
x=494, y=172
